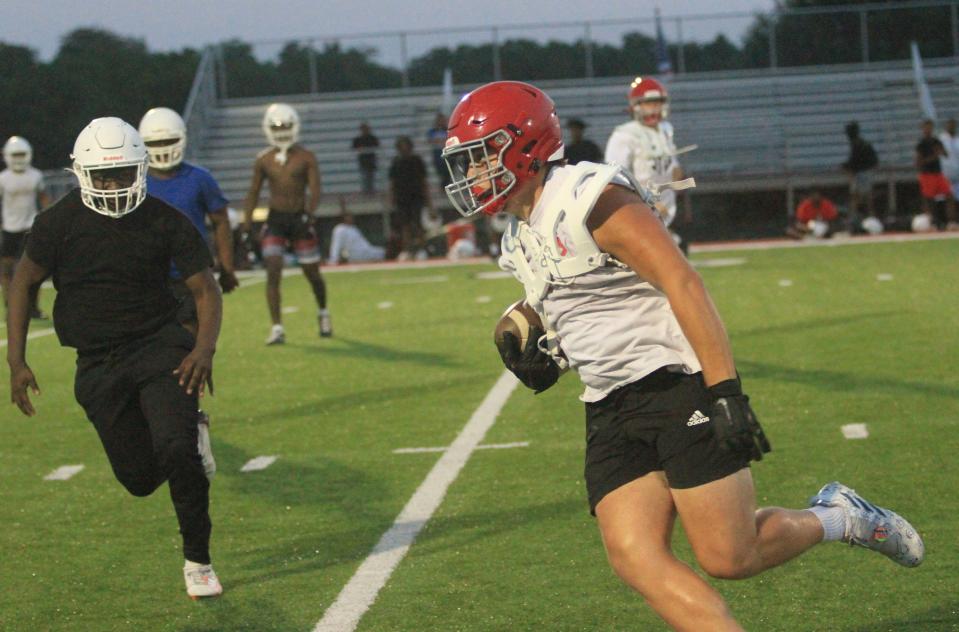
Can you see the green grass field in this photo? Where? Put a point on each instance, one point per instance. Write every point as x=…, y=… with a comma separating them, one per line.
x=512, y=547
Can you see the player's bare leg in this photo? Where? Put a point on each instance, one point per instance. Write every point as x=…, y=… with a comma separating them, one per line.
x=274, y=274
x=731, y=539
x=6, y=275
x=312, y=273
x=636, y=522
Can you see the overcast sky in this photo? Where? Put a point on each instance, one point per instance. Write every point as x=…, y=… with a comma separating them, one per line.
x=176, y=24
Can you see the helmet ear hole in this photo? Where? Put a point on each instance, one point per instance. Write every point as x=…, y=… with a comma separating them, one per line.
x=528, y=147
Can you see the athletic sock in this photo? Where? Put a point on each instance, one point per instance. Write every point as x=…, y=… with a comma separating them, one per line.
x=833, y=521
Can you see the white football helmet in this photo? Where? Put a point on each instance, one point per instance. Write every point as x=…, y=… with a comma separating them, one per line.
x=17, y=153
x=164, y=134
x=922, y=223
x=110, y=161
x=281, y=124
x=872, y=225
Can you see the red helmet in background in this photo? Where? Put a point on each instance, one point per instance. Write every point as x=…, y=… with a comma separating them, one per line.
x=499, y=137
x=648, y=101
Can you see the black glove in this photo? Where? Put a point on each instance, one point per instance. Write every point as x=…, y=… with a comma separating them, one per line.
x=734, y=421
x=533, y=367
x=228, y=281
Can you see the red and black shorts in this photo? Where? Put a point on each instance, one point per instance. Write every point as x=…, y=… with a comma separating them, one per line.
x=934, y=186
x=657, y=423
x=285, y=230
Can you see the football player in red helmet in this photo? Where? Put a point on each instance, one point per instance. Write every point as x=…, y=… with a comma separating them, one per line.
x=669, y=430
x=648, y=101
x=500, y=138
x=645, y=146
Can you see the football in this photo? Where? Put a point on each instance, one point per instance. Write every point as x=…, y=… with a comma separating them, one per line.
x=517, y=319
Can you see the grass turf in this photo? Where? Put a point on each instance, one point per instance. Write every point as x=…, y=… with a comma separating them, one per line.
x=512, y=547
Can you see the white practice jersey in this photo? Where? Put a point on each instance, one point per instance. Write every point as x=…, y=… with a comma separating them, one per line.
x=18, y=192
x=613, y=326
x=647, y=153
x=348, y=242
x=950, y=162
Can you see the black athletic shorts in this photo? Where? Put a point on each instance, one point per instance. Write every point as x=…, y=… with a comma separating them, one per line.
x=11, y=244
x=657, y=423
x=284, y=230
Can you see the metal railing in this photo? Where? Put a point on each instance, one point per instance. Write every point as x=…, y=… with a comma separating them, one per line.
x=201, y=102
x=396, y=45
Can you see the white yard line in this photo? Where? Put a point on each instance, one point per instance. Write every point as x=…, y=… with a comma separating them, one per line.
x=40, y=333
x=259, y=463
x=855, y=431
x=63, y=473
x=360, y=592
x=489, y=446
x=436, y=278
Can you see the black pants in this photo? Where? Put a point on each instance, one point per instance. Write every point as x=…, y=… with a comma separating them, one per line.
x=148, y=425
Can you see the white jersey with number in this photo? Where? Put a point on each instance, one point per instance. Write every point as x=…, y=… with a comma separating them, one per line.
x=18, y=195
x=613, y=326
x=649, y=153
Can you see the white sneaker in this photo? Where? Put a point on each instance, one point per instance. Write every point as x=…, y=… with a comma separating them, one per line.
x=201, y=580
x=873, y=527
x=277, y=335
x=421, y=255
x=326, y=324
x=203, y=445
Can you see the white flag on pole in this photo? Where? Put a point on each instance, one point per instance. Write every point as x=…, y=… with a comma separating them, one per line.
x=925, y=97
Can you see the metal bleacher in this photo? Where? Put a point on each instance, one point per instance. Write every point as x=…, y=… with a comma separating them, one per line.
x=770, y=129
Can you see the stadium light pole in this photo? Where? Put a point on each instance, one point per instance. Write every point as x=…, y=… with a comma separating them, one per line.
x=954, y=18
x=773, y=62
x=588, y=49
x=404, y=62
x=864, y=36
x=680, y=52
x=311, y=58
x=497, y=67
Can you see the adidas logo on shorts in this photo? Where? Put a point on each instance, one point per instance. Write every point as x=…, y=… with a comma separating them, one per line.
x=697, y=418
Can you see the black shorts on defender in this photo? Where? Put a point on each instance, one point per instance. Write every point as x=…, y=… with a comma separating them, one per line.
x=657, y=423
x=285, y=230
x=11, y=244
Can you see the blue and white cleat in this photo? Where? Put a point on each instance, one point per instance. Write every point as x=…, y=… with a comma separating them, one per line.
x=873, y=527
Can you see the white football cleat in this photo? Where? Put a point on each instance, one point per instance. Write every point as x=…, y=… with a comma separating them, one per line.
x=201, y=580
x=277, y=335
x=326, y=324
x=873, y=527
x=203, y=444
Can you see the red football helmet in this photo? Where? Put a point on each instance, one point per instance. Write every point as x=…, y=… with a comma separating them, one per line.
x=500, y=135
x=648, y=101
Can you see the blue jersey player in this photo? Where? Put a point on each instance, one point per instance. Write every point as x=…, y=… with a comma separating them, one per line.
x=186, y=187
x=194, y=192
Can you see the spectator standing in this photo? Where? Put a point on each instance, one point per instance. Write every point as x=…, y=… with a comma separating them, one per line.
x=933, y=185
x=436, y=137
x=365, y=146
x=950, y=162
x=860, y=167
x=579, y=149
x=409, y=193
